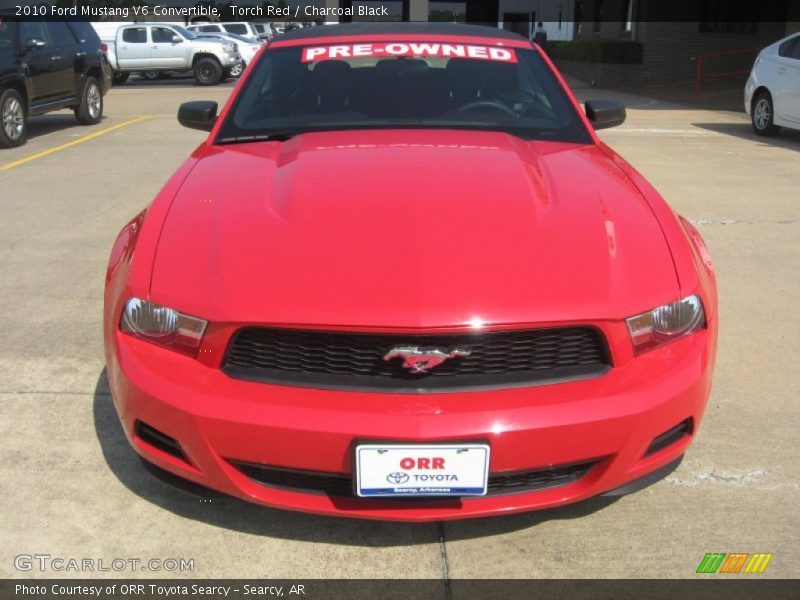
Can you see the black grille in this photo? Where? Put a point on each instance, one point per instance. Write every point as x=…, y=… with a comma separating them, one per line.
x=162, y=441
x=344, y=360
x=333, y=484
x=677, y=433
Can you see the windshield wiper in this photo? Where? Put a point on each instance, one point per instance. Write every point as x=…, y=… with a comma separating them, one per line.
x=276, y=136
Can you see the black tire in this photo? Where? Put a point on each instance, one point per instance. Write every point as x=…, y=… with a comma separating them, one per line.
x=151, y=75
x=90, y=110
x=761, y=115
x=120, y=78
x=13, y=119
x=207, y=71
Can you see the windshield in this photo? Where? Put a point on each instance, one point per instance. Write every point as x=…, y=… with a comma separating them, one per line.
x=239, y=38
x=403, y=85
x=189, y=35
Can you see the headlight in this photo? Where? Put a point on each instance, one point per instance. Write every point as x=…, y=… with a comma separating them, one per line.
x=666, y=323
x=163, y=326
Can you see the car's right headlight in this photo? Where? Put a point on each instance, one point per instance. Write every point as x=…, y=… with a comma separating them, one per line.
x=666, y=323
x=162, y=325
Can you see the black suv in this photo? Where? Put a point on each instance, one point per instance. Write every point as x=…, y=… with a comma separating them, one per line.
x=46, y=66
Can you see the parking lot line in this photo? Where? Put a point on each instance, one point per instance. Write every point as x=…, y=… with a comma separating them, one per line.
x=85, y=138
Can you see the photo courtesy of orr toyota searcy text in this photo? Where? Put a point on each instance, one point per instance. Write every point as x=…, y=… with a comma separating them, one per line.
x=484, y=310
x=138, y=590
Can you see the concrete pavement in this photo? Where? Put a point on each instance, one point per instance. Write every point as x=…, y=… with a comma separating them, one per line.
x=73, y=488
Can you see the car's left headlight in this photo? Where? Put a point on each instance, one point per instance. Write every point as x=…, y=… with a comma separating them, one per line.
x=163, y=326
x=666, y=323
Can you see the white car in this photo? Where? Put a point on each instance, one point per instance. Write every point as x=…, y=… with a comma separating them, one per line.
x=247, y=49
x=243, y=28
x=772, y=93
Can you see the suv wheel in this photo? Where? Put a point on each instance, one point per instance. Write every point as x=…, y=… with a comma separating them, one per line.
x=151, y=75
x=237, y=69
x=207, y=71
x=90, y=110
x=13, y=120
x=762, y=115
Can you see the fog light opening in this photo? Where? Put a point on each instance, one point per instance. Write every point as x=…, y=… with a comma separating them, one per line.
x=671, y=436
x=158, y=440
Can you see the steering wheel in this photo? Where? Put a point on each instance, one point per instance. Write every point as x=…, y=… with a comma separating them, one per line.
x=491, y=104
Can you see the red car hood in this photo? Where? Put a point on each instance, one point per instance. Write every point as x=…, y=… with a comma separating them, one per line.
x=410, y=229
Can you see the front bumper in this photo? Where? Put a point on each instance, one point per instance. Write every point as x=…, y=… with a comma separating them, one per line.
x=230, y=60
x=749, y=90
x=612, y=419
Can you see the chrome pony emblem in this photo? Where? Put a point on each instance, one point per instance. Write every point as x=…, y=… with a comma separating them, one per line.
x=422, y=360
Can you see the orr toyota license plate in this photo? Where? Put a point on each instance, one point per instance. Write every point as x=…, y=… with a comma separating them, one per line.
x=421, y=469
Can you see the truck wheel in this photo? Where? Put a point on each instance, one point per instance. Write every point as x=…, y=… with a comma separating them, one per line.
x=120, y=78
x=151, y=75
x=237, y=69
x=207, y=71
x=13, y=120
x=90, y=110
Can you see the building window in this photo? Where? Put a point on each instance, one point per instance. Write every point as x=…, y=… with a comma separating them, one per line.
x=628, y=14
x=517, y=23
x=598, y=15
x=729, y=16
x=447, y=12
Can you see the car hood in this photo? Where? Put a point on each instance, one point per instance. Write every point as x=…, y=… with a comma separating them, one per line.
x=410, y=229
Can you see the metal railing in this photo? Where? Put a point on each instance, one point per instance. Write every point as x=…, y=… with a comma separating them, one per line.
x=700, y=60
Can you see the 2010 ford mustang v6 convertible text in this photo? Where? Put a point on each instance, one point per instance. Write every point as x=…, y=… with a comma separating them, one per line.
x=404, y=279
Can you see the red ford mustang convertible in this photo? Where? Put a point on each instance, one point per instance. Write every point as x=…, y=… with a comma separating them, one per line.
x=404, y=279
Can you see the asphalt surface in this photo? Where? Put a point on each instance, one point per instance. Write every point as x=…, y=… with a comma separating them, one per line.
x=72, y=488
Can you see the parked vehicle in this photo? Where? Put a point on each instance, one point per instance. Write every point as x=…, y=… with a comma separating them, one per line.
x=772, y=92
x=485, y=309
x=265, y=31
x=165, y=48
x=243, y=28
x=248, y=49
x=49, y=66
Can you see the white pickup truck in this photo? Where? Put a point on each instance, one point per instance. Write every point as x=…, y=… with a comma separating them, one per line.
x=162, y=48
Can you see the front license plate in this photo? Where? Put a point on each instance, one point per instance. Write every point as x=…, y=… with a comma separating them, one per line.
x=421, y=469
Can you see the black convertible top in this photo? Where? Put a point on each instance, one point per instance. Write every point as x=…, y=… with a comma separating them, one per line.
x=353, y=29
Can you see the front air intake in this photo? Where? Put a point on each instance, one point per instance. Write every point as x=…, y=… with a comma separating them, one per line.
x=161, y=441
x=671, y=436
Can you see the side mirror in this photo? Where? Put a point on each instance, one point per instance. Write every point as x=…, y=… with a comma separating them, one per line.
x=34, y=44
x=605, y=113
x=176, y=39
x=200, y=114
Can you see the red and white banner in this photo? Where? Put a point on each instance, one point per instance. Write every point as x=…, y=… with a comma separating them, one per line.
x=409, y=49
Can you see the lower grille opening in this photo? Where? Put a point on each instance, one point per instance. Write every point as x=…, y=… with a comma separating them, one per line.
x=671, y=436
x=335, y=484
x=161, y=441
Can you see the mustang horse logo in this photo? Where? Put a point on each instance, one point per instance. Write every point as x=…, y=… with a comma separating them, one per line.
x=422, y=360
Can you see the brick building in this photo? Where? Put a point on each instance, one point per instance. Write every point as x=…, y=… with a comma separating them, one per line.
x=671, y=32
x=705, y=26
